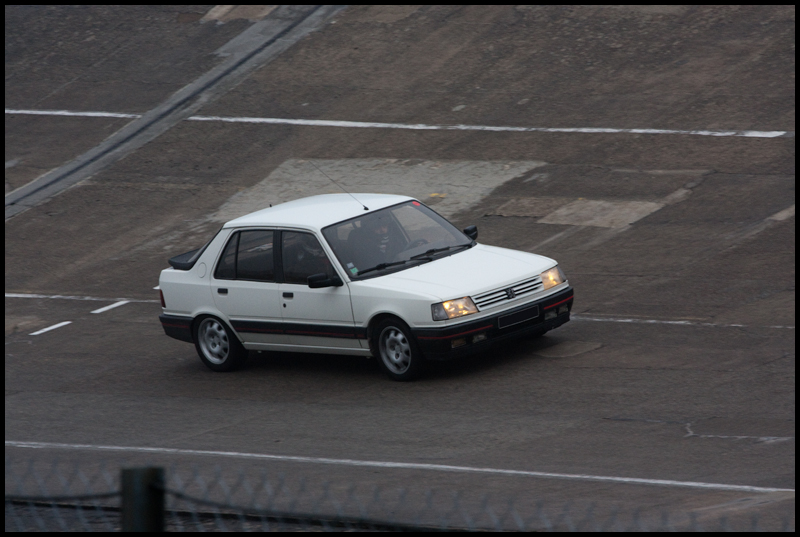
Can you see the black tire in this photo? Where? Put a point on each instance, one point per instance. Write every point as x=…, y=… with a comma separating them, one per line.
x=396, y=351
x=217, y=345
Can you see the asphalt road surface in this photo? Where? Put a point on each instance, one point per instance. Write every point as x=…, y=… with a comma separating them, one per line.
x=677, y=368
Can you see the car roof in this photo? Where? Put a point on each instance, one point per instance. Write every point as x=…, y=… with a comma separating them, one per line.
x=317, y=212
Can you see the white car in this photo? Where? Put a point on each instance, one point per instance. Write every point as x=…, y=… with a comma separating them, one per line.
x=363, y=274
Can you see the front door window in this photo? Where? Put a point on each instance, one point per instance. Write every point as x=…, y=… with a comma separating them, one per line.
x=303, y=256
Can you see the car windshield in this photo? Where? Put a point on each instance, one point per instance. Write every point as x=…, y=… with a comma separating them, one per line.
x=393, y=239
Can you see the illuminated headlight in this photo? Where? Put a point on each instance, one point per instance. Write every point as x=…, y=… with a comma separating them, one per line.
x=453, y=308
x=552, y=277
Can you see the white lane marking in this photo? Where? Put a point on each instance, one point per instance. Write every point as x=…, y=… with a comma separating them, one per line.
x=660, y=321
x=157, y=287
x=66, y=297
x=782, y=215
x=112, y=306
x=764, y=439
x=575, y=317
x=71, y=114
x=418, y=126
x=43, y=330
x=399, y=465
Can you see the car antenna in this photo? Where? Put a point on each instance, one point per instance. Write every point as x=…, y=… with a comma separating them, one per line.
x=340, y=186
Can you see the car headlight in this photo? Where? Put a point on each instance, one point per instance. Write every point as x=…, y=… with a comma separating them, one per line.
x=453, y=308
x=552, y=277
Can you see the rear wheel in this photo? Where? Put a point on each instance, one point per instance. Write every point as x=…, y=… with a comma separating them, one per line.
x=396, y=351
x=217, y=346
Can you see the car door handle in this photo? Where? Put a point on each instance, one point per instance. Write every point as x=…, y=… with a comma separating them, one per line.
x=288, y=295
x=222, y=291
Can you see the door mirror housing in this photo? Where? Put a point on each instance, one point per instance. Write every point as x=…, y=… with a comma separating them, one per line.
x=317, y=281
x=471, y=232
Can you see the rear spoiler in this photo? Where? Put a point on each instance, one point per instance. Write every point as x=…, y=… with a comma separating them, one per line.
x=186, y=261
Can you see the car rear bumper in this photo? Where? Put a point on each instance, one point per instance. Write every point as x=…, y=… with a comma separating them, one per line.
x=466, y=338
x=177, y=327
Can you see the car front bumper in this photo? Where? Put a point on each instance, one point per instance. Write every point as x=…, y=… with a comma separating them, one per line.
x=470, y=337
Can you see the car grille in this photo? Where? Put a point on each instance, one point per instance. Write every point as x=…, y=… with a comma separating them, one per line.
x=499, y=296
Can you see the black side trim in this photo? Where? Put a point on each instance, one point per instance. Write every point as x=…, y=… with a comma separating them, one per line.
x=176, y=327
x=303, y=329
x=258, y=327
x=346, y=332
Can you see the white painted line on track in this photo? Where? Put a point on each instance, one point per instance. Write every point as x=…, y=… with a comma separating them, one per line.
x=419, y=126
x=764, y=439
x=43, y=330
x=577, y=317
x=661, y=321
x=398, y=465
x=67, y=297
x=112, y=306
x=785, y=214
x=71, y=114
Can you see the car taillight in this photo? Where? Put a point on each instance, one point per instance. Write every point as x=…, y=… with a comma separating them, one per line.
x=160, y=292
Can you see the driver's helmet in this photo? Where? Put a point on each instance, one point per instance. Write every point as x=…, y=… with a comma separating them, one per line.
x=377, y=228
x=376, y=225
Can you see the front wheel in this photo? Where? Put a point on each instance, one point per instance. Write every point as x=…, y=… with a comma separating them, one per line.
x=396, y=351
x=217, y=346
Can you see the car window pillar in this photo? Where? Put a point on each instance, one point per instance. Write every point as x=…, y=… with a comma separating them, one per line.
x=279, y=256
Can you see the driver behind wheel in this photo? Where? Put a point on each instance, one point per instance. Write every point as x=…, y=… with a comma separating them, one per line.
x=377, y=240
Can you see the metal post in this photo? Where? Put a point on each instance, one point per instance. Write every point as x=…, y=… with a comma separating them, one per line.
x=143, y=499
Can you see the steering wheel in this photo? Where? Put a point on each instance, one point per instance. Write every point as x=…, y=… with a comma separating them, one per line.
x=418, y=242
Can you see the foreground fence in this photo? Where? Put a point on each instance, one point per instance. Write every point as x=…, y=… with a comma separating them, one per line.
x=64, y=496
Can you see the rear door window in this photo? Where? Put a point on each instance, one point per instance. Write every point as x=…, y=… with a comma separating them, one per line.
x=249, y=255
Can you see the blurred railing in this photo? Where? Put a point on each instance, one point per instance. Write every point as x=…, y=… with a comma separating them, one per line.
x=68, y=496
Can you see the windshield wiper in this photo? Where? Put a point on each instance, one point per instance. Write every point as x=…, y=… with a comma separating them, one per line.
x=381, y=266
x=437, y=250
x=425, y=256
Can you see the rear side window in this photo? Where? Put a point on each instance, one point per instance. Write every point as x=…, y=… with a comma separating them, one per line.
x=226, y=268
x=249, y=255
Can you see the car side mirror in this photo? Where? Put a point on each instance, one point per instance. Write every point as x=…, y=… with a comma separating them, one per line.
x=471, y=232
x=317, y=281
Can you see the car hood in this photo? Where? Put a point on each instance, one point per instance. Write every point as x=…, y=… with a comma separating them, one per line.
x=479, y=269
